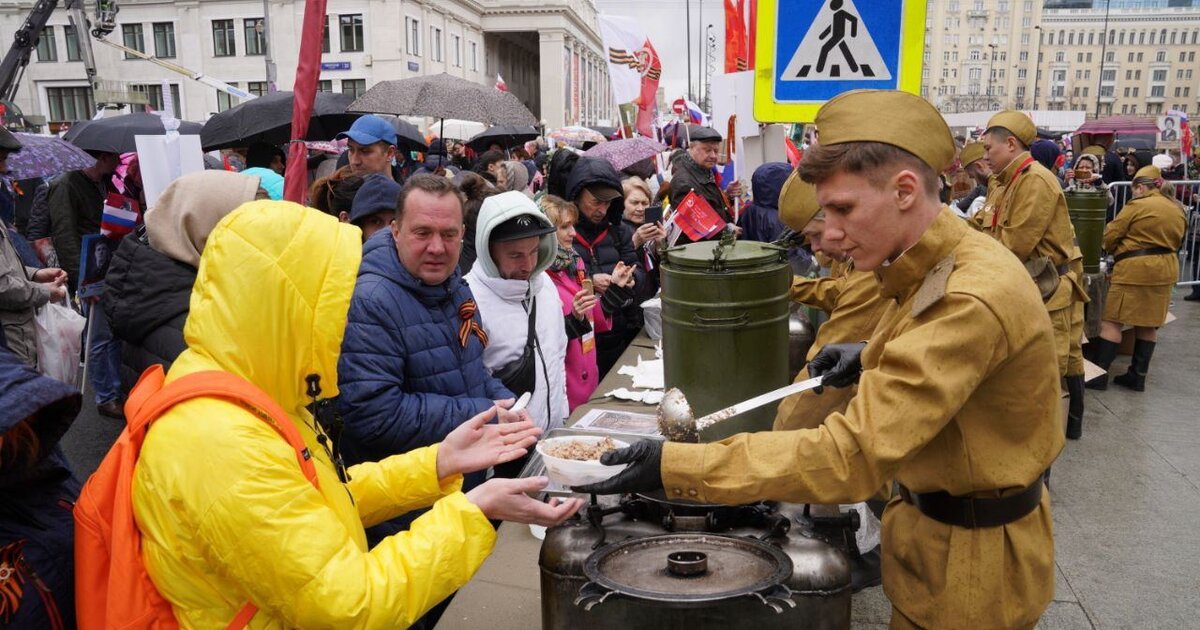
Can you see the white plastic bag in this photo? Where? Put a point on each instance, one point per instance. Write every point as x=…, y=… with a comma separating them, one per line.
x=652, y=316
x=59, y=331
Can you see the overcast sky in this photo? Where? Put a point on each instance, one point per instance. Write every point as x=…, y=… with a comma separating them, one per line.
x=664, y=21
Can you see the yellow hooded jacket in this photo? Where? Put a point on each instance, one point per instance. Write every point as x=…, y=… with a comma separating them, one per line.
x=225, y=513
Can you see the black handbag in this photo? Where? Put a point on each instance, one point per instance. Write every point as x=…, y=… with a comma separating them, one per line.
x=520, y=375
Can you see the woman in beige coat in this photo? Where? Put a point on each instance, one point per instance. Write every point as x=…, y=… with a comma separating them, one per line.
x=1144, y=240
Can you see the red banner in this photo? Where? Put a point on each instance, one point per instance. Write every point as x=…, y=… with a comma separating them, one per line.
x=736, y=57
x=751, y=33
x=308, y=69
x=651, y=69
x=697, y=219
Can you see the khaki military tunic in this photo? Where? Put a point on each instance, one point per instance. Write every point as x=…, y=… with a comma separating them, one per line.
x=1140, y=290
x=959, y=393
x=1027, y=212
x=854, y=305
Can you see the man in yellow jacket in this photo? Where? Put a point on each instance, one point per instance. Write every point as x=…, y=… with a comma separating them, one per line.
x=225, y=513
x=968, y=543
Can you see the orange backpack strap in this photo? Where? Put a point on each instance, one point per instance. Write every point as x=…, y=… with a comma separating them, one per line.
x=216, y=384
x=145, y=404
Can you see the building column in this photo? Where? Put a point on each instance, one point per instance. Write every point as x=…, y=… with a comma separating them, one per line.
x=552, y=77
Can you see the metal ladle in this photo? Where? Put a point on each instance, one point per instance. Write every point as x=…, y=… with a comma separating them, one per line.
x=677, y=422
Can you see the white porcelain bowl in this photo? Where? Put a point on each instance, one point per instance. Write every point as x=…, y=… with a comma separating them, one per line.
x=573, y=472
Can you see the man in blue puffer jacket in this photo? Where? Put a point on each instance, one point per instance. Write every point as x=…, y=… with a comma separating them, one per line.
x=411, y=368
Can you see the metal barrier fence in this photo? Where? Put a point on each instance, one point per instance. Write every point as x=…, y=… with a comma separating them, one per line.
x=1188, y=193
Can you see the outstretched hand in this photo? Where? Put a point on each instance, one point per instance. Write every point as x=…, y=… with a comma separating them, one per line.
x=508, y=500
x=476, y=445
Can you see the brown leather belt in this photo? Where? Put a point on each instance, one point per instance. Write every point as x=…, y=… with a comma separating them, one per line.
x=975, y=512
x=1149, y=251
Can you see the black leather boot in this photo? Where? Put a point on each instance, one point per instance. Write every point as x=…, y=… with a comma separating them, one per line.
x=1075, y=408
x=1135, y=377
x=1106, y=351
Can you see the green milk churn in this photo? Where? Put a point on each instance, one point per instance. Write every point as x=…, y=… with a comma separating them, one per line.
x=1087, y=208
x=725, y=327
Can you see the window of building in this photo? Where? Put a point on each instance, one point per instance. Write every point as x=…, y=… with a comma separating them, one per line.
x=1110, y=57
x=351, y=27
x=1127, y=92
x=1158, y=90
x=1121, y=38
x=1191, y=57
x=354, y=87
x=1178, y=92
x=1085, y=90
x=975, y=74
x=1079, y=58
x=258, y=88
x=1089, y=57
x=974, y=54
x=1078, y=75
x=164, y=40
x=1135, y=92
x=412, y=36
x=1028, y=6
x=224, y=44
x=1026, y=22
x=1159, y=76
x=325, y=35
x=254, y=31
x=1106, y=91
x=1130, y=57
x=1060, y=75
x=47, y=48
x=134, y=38
x=1142, y=38
x=1129, y=75
x=435, y=44
x=154, y=95
x=1091, y=39
x=1186, y=91
x=1179, y=74
x=1187, y=75
x=1160, y=56
x=1087, y=74
x=1125, y=109
x=1021, y=74
x=70, y=103
x=456, y=50
x=946, y=55
x=1059, y=57
x=1020, y=91
x=1075, y=93
x=325, y=85
x=1024, y=39
x=1024, y=56
x=71, y=36
x=1137, y=75
x=1173, y=35
x=1108, y=75
x=1153, y=108
x=474, y=56
x=225, y=100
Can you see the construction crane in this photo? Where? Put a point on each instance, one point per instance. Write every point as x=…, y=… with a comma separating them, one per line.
x=25, y=41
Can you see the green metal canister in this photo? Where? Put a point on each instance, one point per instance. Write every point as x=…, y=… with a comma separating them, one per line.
x=725, y=327
x=1087, y=208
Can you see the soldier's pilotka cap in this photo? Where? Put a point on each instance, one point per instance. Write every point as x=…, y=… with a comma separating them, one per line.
x=971, y=153
x=1147, y=174
x=1019, y=124
x=1094, y=149
x=697, y=133
x=913, y=124
x=797, y=202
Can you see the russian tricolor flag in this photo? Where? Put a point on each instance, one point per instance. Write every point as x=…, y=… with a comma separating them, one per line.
x=695, y=115
x=120, y=217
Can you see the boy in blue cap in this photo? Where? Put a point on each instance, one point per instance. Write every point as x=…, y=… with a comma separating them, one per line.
x=372, y=142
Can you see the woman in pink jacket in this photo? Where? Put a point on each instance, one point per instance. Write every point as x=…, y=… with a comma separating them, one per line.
x=585, y=313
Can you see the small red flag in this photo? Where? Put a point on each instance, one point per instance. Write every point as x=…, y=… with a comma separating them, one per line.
x=697, y=219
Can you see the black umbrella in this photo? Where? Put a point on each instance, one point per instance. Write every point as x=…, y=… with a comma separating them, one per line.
x=117, y=134
x=507, y=136
x=408, y=137
x=444, y=96
x=268, y=120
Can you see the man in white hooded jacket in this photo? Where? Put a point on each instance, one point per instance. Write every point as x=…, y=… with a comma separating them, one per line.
x=516, y=245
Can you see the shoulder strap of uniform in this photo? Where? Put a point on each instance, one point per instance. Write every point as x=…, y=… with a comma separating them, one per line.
x=933, y=288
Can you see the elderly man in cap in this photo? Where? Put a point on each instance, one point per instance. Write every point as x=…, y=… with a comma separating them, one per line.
x=692, y=171
x=968, y=543
x=373, y=204
x=1027, y=212
x=976, y=167
x=372, y=146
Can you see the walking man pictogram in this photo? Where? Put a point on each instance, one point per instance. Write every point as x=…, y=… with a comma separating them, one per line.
x=836, y=32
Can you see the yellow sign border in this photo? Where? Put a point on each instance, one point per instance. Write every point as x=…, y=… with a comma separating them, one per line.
x=766, y=109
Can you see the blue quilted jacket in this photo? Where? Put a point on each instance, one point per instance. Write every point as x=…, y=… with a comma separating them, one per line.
x=405, y=379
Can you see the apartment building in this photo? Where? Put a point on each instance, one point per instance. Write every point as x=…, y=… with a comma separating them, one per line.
x=549, y=52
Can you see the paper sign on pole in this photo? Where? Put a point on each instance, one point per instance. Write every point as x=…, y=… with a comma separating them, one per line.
x=733, y=94
x=164, y=159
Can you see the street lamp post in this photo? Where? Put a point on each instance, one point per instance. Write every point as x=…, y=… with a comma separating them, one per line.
x=688, y=8
x=991, y=60
x=1103, y=51
x=1037, y=66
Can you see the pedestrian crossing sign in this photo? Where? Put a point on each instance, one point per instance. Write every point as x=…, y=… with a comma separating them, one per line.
x=809, y=51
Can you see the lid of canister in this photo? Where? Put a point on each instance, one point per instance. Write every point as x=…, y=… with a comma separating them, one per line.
x=741, y=255
x=688, y=567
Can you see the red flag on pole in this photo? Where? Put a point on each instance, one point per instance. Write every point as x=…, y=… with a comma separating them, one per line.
x=751, y=33
x=697, y=219
x=651, y=68
x=308, y=69
x=735, y=37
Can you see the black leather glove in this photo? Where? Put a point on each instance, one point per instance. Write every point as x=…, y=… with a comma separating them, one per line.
x=643, y=474
x=838, y=364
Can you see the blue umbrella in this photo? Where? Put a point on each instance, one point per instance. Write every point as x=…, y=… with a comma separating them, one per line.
x=44, y=156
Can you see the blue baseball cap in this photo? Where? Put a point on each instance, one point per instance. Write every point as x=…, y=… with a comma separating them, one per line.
x=369, y=130
x=378, y=193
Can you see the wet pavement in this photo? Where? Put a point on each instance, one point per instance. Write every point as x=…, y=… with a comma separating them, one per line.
x=1126, y=502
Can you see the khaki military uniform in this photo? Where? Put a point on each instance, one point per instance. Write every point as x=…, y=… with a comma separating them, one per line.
x=1027, y=212
x=854, y=305
x=1140, y=291
x=958, y=394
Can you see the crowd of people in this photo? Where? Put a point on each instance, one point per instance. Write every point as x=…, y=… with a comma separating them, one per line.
x=397, y=316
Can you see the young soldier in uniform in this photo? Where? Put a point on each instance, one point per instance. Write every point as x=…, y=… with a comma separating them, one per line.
x=1027, y=212
x=958, y=397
